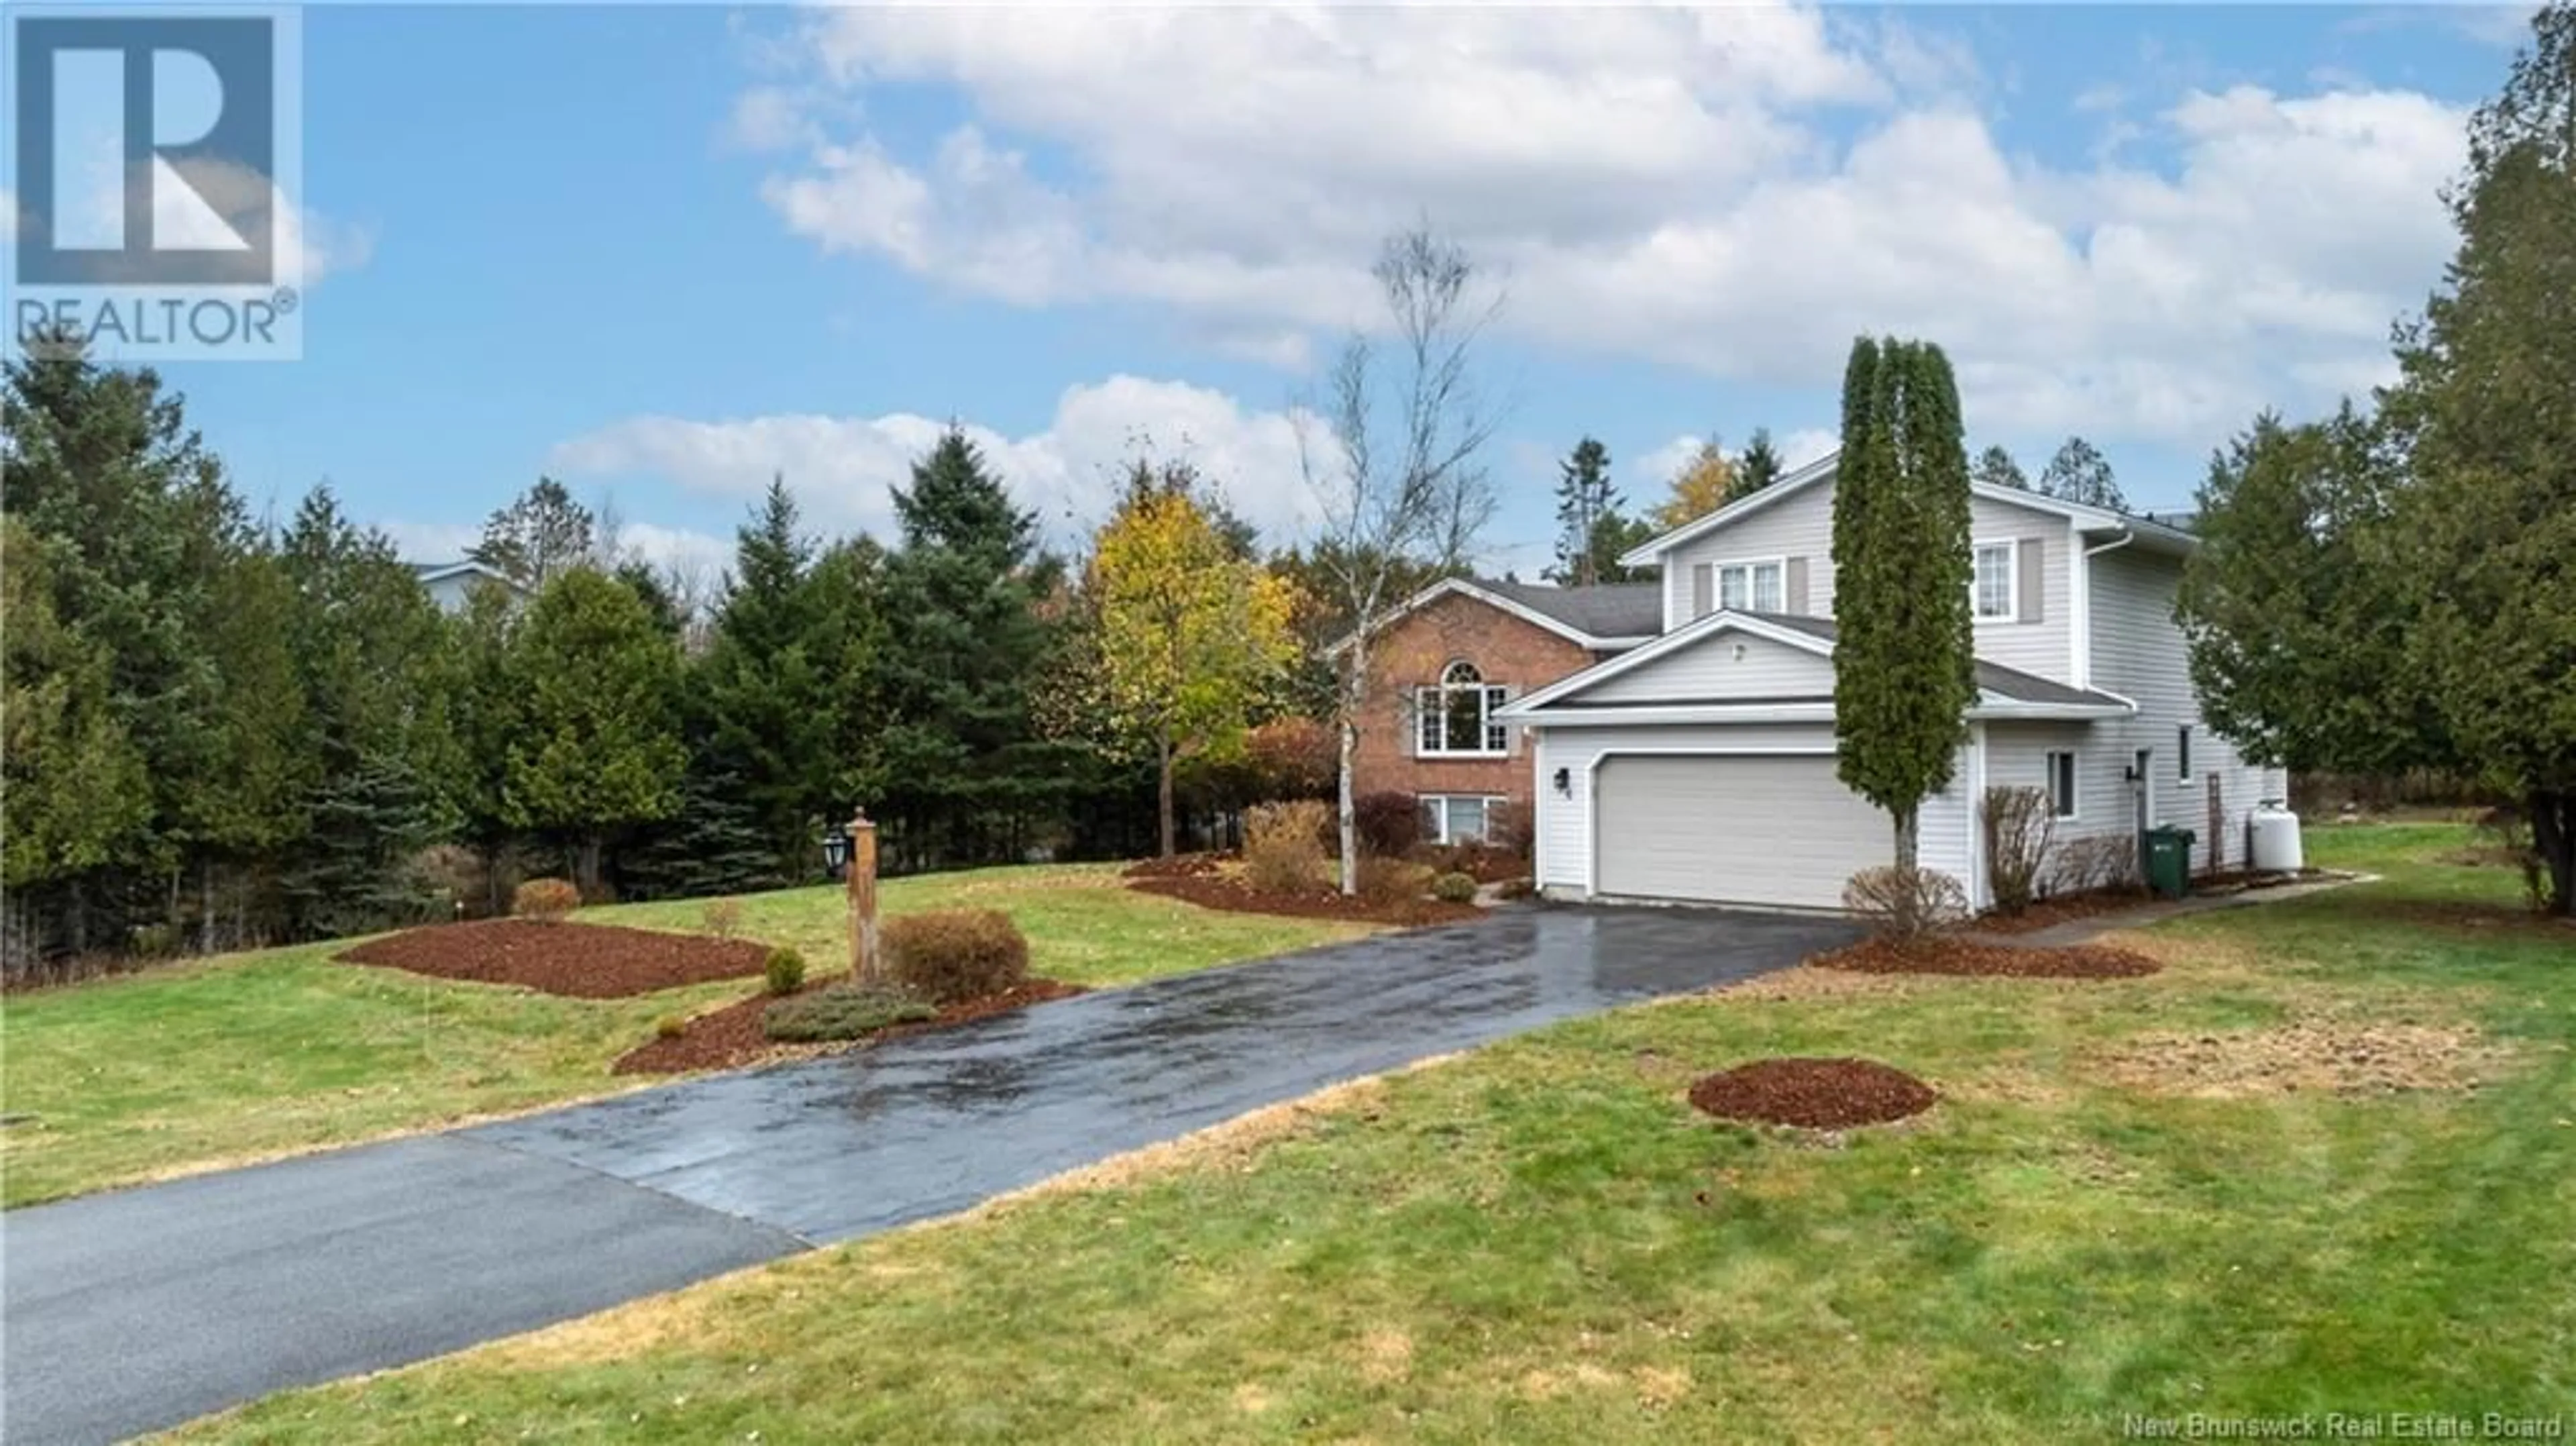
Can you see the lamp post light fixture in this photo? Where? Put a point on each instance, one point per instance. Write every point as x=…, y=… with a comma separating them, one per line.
x=836, y=850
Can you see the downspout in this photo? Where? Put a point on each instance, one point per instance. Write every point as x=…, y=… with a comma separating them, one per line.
x=2084, y=603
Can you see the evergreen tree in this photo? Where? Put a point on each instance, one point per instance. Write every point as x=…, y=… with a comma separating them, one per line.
x=965, y=770
x=598, y=748
x=1904, y=669
x=489, y=720
x=75, y=782
x=138, y=528
x=2486, y=533
x=1759, y=466
x=1995, y=467
x=1584, y=496
x=368, y=648
x=538, y=537
x=761, y=695
x=2080, y=473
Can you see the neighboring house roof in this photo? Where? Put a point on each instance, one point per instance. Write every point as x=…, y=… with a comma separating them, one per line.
x=1650, y=553
x=1604, y=618
x=431, y=574
x=2006, y=692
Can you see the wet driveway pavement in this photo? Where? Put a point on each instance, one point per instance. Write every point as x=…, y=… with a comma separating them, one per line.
x=212, y=1290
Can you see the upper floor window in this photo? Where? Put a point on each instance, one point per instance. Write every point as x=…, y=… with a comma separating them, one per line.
x=1995, y=579
x=1458, y=715
x=1752, y=586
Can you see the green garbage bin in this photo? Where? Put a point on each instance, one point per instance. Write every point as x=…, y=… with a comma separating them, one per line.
x=2169, y=861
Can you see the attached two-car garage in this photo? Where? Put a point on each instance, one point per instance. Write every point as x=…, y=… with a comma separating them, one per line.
x=1756, y=829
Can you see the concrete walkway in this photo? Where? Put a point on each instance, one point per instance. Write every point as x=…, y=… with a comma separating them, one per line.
x=2092, y=927
x=139, y=1309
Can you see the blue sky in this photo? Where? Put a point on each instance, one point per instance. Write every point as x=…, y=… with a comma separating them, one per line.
x=662, y=252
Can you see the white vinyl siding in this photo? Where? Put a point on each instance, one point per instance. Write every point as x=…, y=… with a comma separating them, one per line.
x=1801, y=526
x=1712, y=669
x=2139, y=654
x=2043, y=648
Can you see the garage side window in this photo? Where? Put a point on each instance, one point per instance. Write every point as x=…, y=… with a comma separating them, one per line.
x=1458, y=715
x=2061, y=784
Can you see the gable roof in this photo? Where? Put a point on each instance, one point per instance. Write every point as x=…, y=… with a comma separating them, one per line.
x=2005, y=692
x=1605, y=617
x=430, y=572
x=1650, y=553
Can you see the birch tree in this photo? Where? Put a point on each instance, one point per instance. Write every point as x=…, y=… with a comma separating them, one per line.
x=1391, y=453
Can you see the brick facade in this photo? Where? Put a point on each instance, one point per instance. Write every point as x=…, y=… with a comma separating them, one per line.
x=1412, y=652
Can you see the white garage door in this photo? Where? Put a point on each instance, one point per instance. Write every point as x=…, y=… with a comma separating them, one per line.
x=1733, y=830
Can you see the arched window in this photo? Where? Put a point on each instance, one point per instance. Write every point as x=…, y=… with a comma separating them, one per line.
x=1457, y=716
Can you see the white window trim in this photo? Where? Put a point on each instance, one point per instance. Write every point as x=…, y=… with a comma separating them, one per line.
x=1717, y=581
x=2012, y=580
x=1433, y=698
x=1445, y=799
x=2074, y=784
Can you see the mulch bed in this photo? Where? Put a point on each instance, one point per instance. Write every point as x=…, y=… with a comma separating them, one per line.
x=1178, y=866
x=580, y=961
x=1942, y=954
x=2060, y=909
x=731, y=1036
x=1813, y=1094
x=1212, y=891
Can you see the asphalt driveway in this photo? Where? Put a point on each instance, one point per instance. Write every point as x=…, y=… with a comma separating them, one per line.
x=142, y=1308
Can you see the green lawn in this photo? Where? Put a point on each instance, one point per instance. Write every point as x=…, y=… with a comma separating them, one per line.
x=1541, y=1242
x=258, y=1054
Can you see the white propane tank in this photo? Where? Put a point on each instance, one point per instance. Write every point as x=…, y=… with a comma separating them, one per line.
x=2275, y=844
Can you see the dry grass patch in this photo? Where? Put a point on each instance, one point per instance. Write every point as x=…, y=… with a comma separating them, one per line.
x=2311, y=1054
x=1805, y=982
x=1385, y=1356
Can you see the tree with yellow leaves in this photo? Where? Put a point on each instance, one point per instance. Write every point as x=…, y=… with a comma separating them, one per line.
x=1704, y=485
x=1192, y=631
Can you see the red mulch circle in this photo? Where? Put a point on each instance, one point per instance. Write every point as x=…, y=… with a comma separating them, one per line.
x=1813, y=1094
x=2060, y=909
x=1944, y=954
x=724, y=1038
x=581, y=961
x=1210, y=891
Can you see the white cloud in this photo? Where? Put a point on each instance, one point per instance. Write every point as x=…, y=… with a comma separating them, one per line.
x=843, y=468
x=1734, y=190
x=430, y=541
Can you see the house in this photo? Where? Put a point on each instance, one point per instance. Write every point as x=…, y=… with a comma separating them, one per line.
x=1699, y=766
x=451, y=584
x=1441, y=671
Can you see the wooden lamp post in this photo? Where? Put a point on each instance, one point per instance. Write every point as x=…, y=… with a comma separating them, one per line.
x=863, y=898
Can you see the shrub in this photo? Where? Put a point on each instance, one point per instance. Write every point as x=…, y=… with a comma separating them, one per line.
x=545, y=900
x=670, y=1026
x=951, y=956
x=842, y=1012
x=1386, y=880
x=721, y=917
x=786, y=970
x=2510, y=836
x=1292, y=758
x=1454, y=888
x=1904, y=903
x=1517, y=889
x=1283, y=845
x=1389, y=824
x=2018, y=828
x=2098, y=861
x=1511, y=829
x=153, y=941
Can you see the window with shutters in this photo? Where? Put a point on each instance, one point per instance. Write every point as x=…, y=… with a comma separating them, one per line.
x=1456, y=718
x=1996, y=580
x=1753, y=586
